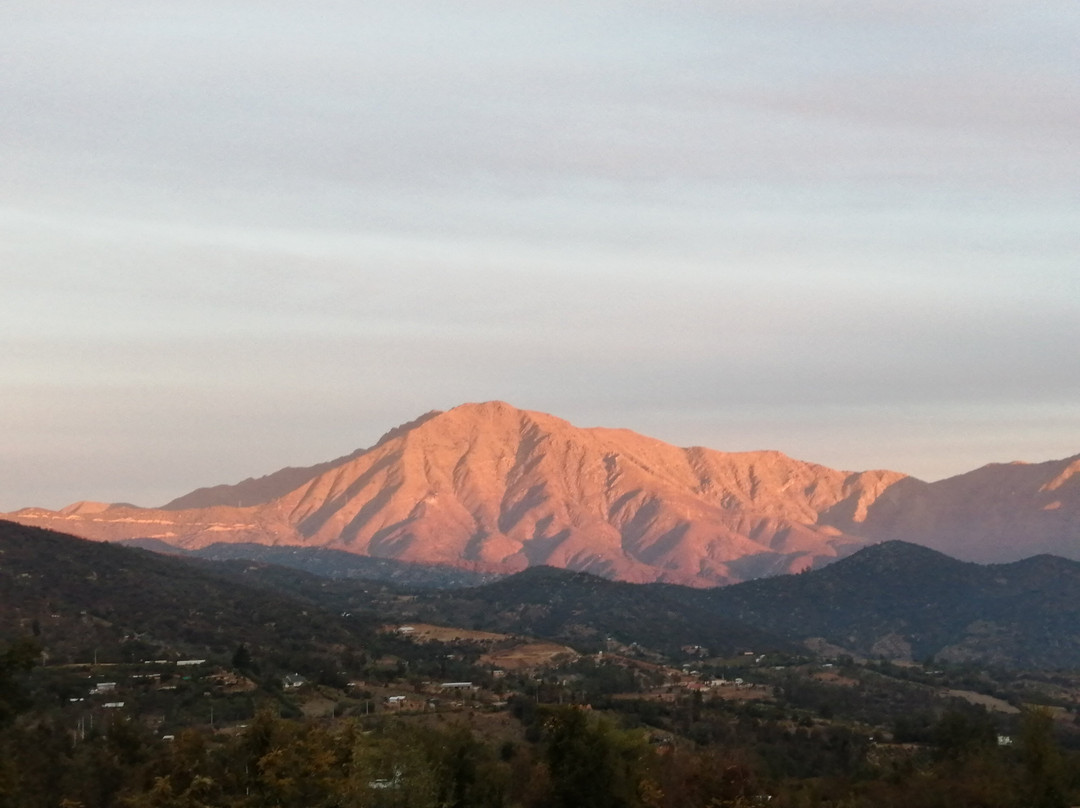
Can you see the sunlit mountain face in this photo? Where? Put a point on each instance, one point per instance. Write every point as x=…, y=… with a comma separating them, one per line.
x=492, y=488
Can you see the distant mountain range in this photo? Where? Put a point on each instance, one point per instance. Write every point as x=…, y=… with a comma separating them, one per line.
x=494, y=489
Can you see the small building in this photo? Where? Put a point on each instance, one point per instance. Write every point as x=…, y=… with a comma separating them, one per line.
x=385, y=782
x=291, y=681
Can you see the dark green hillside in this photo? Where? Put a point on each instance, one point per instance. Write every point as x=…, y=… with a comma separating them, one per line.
x=83, y=597
x=897, y=599
x=579, y=608
x=572, y=607
x=359, y=598
x=894, y=600
x=385, y=718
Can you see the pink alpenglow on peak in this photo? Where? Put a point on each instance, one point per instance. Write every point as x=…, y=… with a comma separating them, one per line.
x=494, y=488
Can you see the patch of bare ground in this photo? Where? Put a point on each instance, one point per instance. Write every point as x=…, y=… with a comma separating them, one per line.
x=833, y=678
x=423, y=632
x=318, y=706
x=529, y=655
x=746, y=692
x=989, y=702
x=729, y=691
x=231, y=682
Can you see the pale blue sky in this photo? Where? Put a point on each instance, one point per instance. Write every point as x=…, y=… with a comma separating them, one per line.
x=236, y=236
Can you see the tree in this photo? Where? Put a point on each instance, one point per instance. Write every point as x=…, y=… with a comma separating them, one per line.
x=241, y=659
x=963, y=734
x=594, y=765
x=392, y=769
x=19, y=658
x=1044, y=773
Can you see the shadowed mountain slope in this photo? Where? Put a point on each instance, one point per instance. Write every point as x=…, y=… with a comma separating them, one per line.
x=904, y=601
x=87, y=595
x=585, y=610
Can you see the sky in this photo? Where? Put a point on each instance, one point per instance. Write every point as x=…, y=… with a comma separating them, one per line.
x=237, y=235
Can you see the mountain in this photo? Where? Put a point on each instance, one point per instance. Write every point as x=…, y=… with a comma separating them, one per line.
x=1000, y=512
x=585, y=610
x=894, y=600
x=493, y=488
x=903, y=601
x=490, y=488
x=84, y=596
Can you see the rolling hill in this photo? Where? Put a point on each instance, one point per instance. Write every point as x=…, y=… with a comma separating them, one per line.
x=902, y=601
x=894, y=600
x=83, y=596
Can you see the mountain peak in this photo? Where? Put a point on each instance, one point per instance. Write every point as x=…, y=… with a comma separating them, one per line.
x=492, y=488
x=898, y=557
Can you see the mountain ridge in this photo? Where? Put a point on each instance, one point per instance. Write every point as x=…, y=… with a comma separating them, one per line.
x=495, y=489
x=900, y=600
x=893, y=600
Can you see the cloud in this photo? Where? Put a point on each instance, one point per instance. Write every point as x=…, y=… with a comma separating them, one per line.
x=682, y=215
x=291, y=99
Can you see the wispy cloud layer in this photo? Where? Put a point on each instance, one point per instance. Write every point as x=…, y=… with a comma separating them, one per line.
x=240, y=235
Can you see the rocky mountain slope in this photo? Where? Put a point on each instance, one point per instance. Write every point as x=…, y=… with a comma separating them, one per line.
x=496, y=489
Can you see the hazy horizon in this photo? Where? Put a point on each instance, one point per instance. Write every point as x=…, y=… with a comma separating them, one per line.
x=236, y=237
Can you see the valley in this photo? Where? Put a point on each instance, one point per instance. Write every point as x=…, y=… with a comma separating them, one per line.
x=147, y=679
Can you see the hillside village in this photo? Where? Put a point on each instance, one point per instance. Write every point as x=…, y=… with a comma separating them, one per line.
x=168, y=695
x=108, y=697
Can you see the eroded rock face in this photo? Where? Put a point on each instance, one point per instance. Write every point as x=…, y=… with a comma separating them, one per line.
x=492, y=487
